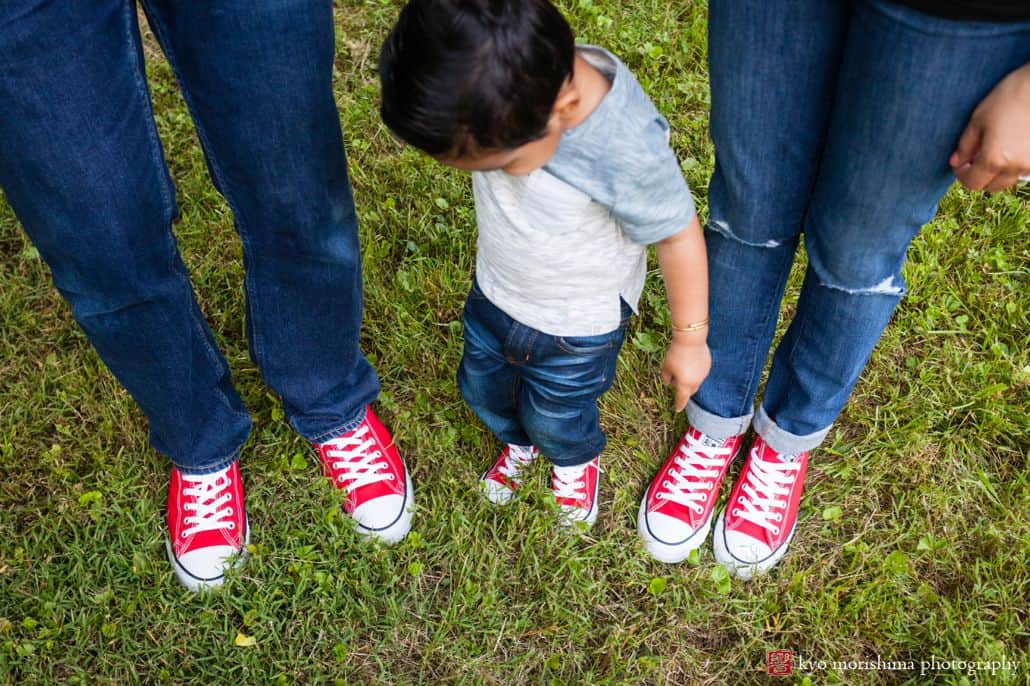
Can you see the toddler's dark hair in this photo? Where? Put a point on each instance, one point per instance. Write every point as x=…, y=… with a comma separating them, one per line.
x=479, y=72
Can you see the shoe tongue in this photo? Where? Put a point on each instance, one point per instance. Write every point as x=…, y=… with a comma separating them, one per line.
x=709, y=442
x=522, y=451
x=569, y=473
x=787, y=458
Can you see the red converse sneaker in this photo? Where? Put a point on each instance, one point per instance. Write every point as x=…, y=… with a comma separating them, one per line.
x=575, y=491
x=207, y=526
x=367, y=465
x=752, y=533
x=502, y=479
x=676, y=512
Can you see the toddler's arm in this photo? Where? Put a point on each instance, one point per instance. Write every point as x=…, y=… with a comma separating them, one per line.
x=684, y=265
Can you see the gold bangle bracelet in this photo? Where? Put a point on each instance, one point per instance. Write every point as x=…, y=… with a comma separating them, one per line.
x=697, y=326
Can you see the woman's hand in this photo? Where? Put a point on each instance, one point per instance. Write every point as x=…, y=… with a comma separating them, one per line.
x=994, y=150
x=687, y=363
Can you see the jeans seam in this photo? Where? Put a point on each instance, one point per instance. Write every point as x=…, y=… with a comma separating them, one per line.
x=160, y=32
x=141, y=85
x=751, y=386
x=529, y=344
x=516, y=386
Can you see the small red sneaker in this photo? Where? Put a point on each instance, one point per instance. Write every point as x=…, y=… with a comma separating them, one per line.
x=366, y=464
x=505, y=476
x=753, y=532
x=676, y=512
x=207, y=526
x=575, y=491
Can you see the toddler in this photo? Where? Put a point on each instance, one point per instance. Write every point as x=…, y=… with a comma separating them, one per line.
x=573, y=178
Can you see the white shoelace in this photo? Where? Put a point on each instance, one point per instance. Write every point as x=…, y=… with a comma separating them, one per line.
x=570, y=482
x=766, y=481
x=515, y=460
x=699, y=461
x=354, y=463
x=207, y=497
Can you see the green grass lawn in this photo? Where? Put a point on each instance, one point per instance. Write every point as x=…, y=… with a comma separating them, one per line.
x=914, y=538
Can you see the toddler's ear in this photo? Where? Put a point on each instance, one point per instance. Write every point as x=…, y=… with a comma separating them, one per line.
x=567, y=102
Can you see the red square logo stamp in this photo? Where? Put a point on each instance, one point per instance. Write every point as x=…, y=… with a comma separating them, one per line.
x=778, y=662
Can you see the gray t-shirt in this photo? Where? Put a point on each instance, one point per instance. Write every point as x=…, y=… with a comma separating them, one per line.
x=559, y=247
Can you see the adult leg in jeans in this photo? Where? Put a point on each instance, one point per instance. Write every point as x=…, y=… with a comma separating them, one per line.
x=257, y=78
x=82, y=166
x=908, y=84
x=883, y=170
x=773, y=67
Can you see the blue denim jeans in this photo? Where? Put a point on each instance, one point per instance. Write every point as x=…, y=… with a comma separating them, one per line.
x=835, y=120
x=84, y=170
x=532, y=388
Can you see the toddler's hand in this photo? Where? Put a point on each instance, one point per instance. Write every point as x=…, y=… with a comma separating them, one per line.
x=686, y=365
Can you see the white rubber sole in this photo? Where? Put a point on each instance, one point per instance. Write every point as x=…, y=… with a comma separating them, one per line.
x=399, y=528
x=670, y=553
x=744, y=569
x=196, y=583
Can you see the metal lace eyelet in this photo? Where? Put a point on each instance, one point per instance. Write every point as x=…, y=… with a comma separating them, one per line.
x=704, y=497
x=776, y=531
x=736, y=512
x=340, y=478
x=232, y=525
x=228, y=512
x=393, y=477
x=779, y=517
x=184, y=534
x=699, y=509
x=665, y=484
x=740, y=499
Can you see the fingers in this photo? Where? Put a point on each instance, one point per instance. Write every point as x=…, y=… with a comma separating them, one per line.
x=976, y=175
x=683, y=394
x=1001, y=182
x=968, y=146
x=991, y=169
x=684, y=391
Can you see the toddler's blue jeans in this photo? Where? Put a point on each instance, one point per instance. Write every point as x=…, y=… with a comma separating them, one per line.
x=532, y=388
x=833, y=119
x=83, y=168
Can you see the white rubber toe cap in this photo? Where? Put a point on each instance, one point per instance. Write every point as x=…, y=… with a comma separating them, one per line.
x=496, y=493
x=668, y=539
x=570, y=515
x=206, y=567
x=742, y=555
x=386, y=518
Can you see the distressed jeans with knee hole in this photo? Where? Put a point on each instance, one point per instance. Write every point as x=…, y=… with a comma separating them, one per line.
x=834, y=120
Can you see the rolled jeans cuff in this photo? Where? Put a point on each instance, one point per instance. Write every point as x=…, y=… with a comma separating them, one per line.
x=719, y=428
x=337, y=430
x=783, y=441
x=209, y=468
